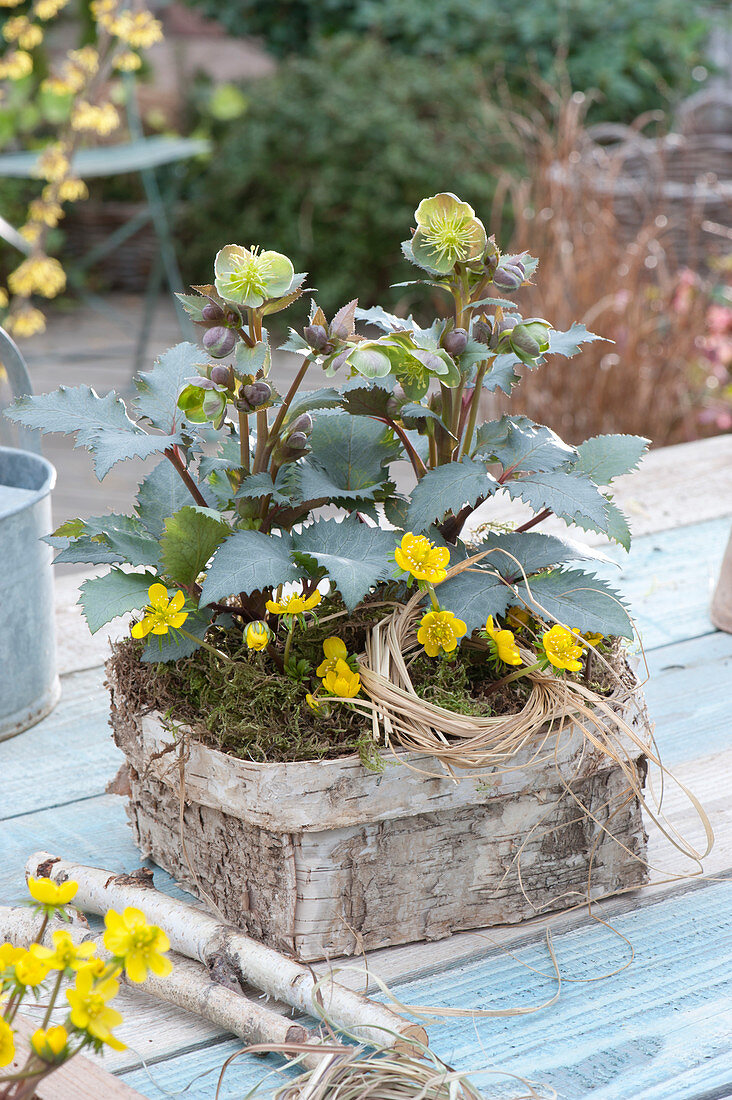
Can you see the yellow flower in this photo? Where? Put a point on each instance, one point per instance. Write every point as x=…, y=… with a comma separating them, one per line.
x=335, y=651
x=25, y=322
x=53, y=163
x=86, y=59
x=140, y=945
x=440, y=630
x=3, y=298
x=48, y=9
x=7, y=1043
x=71, y=190
x=10, y=3
x=49, y=213
x=257, y=635
x=138, y=29
x=96, y=119
x=317, y=705
x=342, y=681
x=54, y=895
x=425, y=561
x=294, y=604
x=31, y=231
x=128, y=62
x=38, y=275
x=16, y=65
x=504, y=643
x=161, y=613
x=30, y=970
x=89, y=1010
x=66, y=955
x=51, y=1046
x=518, y=617
x=593, y=639
x=20, y=29
x=562, y=648
x=9, y=956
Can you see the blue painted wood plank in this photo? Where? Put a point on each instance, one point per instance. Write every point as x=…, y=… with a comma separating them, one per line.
x=689, y=696
x=668, y=580
x=67, y=756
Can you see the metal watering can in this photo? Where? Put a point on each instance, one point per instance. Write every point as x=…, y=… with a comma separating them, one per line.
x=29, y=682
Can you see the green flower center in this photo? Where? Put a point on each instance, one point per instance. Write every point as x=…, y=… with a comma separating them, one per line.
x=449, y=236
x=252, y=275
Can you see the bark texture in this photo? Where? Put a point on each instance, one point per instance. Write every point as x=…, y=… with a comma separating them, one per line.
x=320, y=860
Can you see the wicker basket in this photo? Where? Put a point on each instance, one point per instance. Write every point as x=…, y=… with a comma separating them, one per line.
x=684, y=177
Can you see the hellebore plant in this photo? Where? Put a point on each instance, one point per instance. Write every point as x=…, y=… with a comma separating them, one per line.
x=270, y=509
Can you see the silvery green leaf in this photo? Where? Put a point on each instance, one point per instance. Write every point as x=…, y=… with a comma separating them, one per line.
x=105, y=598
x=158, y=389
x=578, y=600
x=188, y=541
x=248, y=561
x=354, y=556
x=604, y=457
x=160, y=495
x=475, y=594
x=446, y=489
x=568, y=343
x=571, y=497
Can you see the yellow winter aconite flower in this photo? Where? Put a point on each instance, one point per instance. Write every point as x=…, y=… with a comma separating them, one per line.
x=30, y=970
x=66, y=955
x=51, y=1045
x=54, y=895
x=25, y=322
x=16, y=65
x=562, y=648
x=9, y=956
x=314, y=703
x=94, y=118
x=593, y=639
x=518, y=617
x=38, y=275
x=420, y=557
x=7, y=1043
x=161, y=613
x=141, y=946
x=89, y=1011
x=440, y=631
x=342, y=681
x=295, y=604
x=257, y=636
x=504, y=643
x=335, y=651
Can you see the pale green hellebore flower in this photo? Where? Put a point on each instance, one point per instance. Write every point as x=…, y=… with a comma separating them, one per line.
x=250, y=277
x=448, y=232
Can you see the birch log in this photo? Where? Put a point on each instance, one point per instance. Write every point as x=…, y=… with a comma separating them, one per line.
x=188, y=987
x=199, y=936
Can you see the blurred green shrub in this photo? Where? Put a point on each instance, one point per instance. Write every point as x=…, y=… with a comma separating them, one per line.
x=638, y=53
x=330, y=158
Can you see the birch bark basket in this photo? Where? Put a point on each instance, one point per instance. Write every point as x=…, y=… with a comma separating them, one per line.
x=325, y=858
x=230, y=953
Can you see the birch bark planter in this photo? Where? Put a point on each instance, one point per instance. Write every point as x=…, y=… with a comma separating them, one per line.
x=322, y=858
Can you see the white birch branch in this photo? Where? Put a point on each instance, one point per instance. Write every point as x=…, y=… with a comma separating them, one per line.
x=188, y=987
x=221, y=947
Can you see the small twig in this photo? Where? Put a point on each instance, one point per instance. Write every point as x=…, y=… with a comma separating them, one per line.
x=172, y=455
x=534, y=520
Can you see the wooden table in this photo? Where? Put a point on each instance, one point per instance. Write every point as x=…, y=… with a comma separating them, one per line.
x=660, y=1029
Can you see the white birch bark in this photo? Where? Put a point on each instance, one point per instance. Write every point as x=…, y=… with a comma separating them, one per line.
x=199, y=936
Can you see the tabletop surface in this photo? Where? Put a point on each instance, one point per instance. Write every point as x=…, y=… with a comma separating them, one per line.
x=658, y=1027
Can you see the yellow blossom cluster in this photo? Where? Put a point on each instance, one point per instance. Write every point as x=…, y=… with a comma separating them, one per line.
x=68, y=190
x=139, y=29
x=48, y=213
x=134, y=946
x=48, y=9
x=38, y=275
x=20, y=29
x=16, y=65
x=24, y=322
x=95, y=118
x=53, y=163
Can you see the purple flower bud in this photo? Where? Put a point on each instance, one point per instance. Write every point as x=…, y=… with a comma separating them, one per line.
x=316, y=336
x=221, y=376
x=302, y=423
x=454, y=342
x=257, y=394
x=219, y=341
x=509, y=275
x=212, y=312
x=482, y=331
x=298, y=441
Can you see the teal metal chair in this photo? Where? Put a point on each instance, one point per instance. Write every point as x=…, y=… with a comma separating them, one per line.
x=14, y=382
x=143, y=155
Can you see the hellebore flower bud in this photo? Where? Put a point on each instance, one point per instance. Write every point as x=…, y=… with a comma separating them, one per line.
x=501, y=330
x=219, y=341
x=212, y=312
x=302, y=423
x=509, y=275
x=454, y=342
x=491, y=257
x=222, y=376
x=316, y=336
x=522, y=340
x=256, y=394
x=298, y=441
x=530, y=339
x=482, y=331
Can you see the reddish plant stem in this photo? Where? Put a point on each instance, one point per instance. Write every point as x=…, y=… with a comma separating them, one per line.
x=534, y=520
x=172, y=455
x=417, y=464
